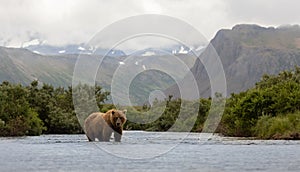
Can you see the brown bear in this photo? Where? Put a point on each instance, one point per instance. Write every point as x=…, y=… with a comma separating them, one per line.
x=102, y=125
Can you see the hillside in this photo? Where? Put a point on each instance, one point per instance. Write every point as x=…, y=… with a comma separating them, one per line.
x=23, y=66
x=20, y=65
x=247, y=52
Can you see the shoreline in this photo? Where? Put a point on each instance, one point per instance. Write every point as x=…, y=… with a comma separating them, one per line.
x=187, y=134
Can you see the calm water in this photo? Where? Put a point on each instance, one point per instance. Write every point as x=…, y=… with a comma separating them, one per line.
x=148, y=151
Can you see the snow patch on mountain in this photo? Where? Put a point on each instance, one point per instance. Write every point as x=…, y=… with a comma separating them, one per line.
x=62, y=51
x=81, y=48
x=149, y=53
x=29, y=43
x=183, y=51
x=36, y=52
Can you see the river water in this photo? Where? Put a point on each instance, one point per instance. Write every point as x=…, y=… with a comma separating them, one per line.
x=148, y=151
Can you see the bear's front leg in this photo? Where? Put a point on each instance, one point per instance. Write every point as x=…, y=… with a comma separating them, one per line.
x=118, y=135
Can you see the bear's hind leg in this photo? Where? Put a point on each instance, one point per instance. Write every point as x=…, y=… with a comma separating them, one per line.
x=107, y=134
x=90, y=137
x=90, y=140
x=100, y=137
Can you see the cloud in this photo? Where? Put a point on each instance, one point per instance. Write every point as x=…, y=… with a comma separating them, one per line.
x=60, y=21
x=265, y=12
x=77, y=21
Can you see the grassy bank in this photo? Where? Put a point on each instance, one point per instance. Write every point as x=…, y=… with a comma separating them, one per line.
x=279, y=127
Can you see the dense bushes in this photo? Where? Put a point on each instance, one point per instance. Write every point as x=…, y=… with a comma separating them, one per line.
x=279, y=127
x=17, y=117
x=163, y=115
x=264, y=110
x=35, y=109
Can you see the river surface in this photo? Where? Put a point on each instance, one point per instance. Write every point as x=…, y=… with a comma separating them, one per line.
x=148, y=151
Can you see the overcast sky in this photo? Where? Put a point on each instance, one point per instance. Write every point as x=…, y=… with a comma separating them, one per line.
x=77, y=21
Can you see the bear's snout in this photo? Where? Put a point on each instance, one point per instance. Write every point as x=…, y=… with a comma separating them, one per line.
x=118, y=122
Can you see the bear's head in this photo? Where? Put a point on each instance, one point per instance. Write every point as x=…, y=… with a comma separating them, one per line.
x=118, y=117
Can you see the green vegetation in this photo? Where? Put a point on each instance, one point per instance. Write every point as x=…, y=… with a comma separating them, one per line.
x=163, y=115
x=17, y=117
x=270, y=110
x=34, y=110
x=279, y=127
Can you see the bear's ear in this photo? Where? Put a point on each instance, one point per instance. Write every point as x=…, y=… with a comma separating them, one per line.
x=113, y=112
x=125, y=111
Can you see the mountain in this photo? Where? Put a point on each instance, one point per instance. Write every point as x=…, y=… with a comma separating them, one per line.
x=247, y=52
x=19, y=65
x=40, y=47
x=23, y=66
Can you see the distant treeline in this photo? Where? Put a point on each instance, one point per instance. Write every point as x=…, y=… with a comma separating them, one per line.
x=270, y=110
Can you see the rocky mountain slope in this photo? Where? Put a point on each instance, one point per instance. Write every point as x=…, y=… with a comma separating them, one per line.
x=247, y=52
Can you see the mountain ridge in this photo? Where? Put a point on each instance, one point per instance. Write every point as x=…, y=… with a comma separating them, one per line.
x=247, y=52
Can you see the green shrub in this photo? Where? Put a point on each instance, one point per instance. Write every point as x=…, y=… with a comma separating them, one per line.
x=279, y=127
x=35, y=124
x=34, y=110
x=17, y=117
x=248, y=113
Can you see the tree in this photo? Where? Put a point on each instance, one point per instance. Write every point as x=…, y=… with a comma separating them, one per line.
x=17, y=117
